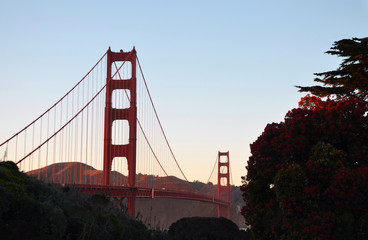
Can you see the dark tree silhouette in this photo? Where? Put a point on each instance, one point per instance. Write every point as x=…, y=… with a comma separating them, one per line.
x=351, y=78
x=31, y=209
x=308, y=175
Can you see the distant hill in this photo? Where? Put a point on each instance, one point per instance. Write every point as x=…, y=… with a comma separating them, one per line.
x=80, y=173
x=152, y=211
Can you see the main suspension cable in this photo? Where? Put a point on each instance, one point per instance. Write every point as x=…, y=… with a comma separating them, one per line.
x=48, y=110
x=159, y=122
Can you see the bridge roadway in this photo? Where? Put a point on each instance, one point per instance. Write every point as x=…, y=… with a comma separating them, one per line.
x=120, y=191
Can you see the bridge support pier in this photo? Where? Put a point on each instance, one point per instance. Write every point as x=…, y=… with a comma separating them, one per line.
x=223, y=184
x=113, y=82
x=131, y=202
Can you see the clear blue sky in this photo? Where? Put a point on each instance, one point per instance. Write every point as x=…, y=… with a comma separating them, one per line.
x=218, y=71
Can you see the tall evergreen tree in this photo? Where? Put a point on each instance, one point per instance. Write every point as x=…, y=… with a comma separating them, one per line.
x=351, y=78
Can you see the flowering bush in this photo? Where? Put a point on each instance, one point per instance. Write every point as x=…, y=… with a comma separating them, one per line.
x=307, y=177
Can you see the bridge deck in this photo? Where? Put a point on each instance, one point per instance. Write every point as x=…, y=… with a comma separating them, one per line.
x=121, y=191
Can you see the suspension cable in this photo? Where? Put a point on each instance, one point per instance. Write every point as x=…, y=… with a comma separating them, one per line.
x=144, y=134
x=53, y=135
x=43, y=114
x=214, y=166
x=159, y=122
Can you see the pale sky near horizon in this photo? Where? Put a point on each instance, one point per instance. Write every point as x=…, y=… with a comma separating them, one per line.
x=218, y=71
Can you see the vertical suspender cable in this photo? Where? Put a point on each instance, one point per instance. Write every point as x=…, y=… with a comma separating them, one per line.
x=159, y=122
x=39, y=152
x=47, y=144
x=33, y=135
x=54, y=147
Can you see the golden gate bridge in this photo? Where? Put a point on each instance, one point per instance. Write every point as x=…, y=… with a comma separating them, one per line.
x=104, y=136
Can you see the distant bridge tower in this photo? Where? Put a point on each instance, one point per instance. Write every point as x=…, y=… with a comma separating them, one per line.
x=223, y=185
x=112, y=114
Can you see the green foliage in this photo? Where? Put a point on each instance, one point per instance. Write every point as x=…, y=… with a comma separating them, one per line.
x=30, y=209
x=307, y=176
x=290, y=182
x=351, y=78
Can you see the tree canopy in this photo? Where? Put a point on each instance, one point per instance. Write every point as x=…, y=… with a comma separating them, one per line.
x=307, y=176
x=351, y=78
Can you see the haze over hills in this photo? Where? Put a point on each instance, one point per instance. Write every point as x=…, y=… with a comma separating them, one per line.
x=80, y=173
x=153, y=212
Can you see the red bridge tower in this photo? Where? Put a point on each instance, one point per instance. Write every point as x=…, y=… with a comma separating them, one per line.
x=223, y=185
x=130, y=114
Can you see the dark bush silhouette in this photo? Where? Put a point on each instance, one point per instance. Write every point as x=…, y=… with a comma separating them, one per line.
x=30, y=209
x=204, y=229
